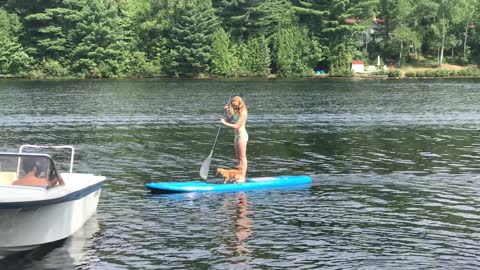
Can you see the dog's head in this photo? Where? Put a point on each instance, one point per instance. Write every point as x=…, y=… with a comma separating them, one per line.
x=220, y=171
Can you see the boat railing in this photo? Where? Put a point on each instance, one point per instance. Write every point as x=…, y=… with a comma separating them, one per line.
x=52, y=147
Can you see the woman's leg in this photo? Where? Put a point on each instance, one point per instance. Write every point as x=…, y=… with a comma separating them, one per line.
x=235, y=145
x=241, y=154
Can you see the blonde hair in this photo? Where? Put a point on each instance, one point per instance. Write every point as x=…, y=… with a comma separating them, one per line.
x=241, y=105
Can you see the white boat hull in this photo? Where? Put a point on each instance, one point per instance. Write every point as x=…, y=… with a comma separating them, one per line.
x=24, y=228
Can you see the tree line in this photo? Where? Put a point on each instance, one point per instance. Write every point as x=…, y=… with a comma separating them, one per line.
x=183, y=38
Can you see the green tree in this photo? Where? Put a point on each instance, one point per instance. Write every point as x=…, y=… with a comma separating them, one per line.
x=456, y=16
x=403, y=27
x=337, y=24
x=150, y=21
x=423, y=21
x=13, y=58
x=190, y=38
x=255, y=57
x=10, y=23
x=467, y=22
x=295, y=54
x=312, y=14
x=329, y=19
x=449, y=22
x=50, y=34
x=401, y=38
x=223, y=62
x=250, y=18
x=46, y=25
x=341, y=59
x=101, y=42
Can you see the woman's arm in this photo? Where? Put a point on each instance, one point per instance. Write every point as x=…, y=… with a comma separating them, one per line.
x=227, y=113
x=242, y=119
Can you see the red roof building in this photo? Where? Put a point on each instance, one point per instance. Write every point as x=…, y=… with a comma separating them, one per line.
x=352, y=21
x=358, y=66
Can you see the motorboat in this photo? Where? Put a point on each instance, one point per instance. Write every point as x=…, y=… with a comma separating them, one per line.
x=38, y=203
x=78, y=249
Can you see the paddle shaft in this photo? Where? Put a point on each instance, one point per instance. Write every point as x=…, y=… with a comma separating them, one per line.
x=220, y=127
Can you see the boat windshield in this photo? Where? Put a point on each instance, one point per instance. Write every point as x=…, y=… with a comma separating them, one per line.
x=28, y=170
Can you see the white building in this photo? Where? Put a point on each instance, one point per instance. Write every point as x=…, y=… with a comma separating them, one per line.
x=358, y=66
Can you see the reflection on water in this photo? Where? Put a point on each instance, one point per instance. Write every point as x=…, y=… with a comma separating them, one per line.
x=243, y=224
x=242, y=228
x=77, y=250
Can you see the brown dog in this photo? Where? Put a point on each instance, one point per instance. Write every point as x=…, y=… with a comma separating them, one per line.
x=232, y=174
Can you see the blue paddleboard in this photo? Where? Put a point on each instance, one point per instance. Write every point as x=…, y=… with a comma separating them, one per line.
x=255, y=183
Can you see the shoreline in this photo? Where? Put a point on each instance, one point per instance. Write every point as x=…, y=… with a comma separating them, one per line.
x=359, y=78
x=397, y=74
x=373, y=77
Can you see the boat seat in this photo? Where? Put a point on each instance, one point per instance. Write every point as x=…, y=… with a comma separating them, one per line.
x=7, y=178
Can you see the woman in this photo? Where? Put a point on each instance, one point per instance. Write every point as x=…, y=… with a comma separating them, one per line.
x=236, y=117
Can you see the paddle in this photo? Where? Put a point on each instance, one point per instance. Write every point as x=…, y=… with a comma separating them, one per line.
x=206, y=163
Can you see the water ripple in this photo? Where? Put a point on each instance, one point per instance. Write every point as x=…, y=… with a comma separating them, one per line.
x=394, y=163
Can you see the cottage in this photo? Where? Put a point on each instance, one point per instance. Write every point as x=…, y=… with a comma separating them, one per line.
x=358, y=66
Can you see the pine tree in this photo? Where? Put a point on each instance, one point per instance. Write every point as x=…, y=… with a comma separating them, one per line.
x=190, y=38
x=50, y=35
x=100, y=40
x=250, y=18
x=13, y=58
x=340, y=59
x=46, y=26
x=257, y=60
x=295, y=54
x=222, y=56
x=149, y=20
x=332, y=21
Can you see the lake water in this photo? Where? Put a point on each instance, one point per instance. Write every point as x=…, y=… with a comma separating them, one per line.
x=395, y=166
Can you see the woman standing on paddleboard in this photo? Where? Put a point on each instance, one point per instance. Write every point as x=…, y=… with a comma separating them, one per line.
x=236, y=115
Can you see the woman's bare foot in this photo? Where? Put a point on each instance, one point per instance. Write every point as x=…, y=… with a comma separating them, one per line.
x=239, y=179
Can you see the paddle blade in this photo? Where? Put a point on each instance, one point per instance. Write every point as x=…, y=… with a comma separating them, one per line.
x=205, y=167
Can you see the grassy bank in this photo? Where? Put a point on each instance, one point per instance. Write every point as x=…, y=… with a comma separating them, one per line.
x=434, y=71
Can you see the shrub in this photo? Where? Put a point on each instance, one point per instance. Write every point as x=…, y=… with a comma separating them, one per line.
x=382, y=72
x=429, y=73
x=394, y=73
x=441, y=73
x=472, y=72
x=35, y=74
x=411, y=74
x=53, y=68
x=137, y=65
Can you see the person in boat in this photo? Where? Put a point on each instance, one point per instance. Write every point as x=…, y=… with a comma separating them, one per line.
x=236, y=115
x=35, y=172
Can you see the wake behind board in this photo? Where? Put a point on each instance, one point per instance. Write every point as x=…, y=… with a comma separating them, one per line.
x=256, y=183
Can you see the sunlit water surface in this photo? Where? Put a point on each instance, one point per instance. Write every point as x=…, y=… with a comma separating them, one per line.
x=395, y=166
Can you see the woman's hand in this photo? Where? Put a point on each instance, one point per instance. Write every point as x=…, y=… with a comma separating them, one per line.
x=223, y=121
